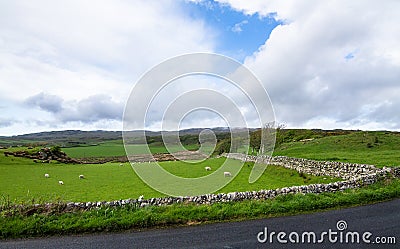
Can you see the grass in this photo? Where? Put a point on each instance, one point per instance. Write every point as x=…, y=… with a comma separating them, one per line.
x=20, y=177
x=129, y=217
x=105, y=149
x=116, y=148
x=376, y=148
x=22, y=180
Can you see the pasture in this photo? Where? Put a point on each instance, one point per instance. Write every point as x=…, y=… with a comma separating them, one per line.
x=378, y=148
x=21, y=180
x=116, y=148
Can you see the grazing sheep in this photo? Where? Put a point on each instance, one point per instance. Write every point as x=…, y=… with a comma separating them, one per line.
x=61, y=182
x=46, y=175
x=140, y=198
x=227, y=173
x=81, y=176
x=207, y=168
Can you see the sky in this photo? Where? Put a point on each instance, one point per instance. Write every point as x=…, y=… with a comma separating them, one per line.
x=72, y=64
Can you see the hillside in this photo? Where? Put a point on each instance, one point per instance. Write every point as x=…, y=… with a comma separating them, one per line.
x=381, y=148
x=77, y=137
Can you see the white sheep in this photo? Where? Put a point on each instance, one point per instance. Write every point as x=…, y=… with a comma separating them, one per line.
x=81, y=176
x=227, y=173
x=207, y=168
x=61, y=182
x=121, y=164
x=46, y=175
x=140, y=198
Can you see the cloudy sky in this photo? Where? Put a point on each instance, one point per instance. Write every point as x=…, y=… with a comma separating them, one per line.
x=325, y=64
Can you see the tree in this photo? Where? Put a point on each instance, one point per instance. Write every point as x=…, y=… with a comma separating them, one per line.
x=223, y=146
x=255, y=141
x=263, y=140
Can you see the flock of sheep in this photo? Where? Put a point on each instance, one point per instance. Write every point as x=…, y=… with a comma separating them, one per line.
x=61, y=182
x=80, y=176
x=226, y=173
x=207, y=168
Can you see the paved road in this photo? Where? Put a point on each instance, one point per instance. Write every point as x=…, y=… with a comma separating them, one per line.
x=381, y=220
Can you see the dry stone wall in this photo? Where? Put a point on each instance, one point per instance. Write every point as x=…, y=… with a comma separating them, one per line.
x=354, y=175
x=347, y=171
x=203, y=199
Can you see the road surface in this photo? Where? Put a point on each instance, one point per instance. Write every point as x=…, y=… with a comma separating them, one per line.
x=381, y=220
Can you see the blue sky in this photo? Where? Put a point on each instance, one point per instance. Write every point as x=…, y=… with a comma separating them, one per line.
x=72, y=64
x=238, y=34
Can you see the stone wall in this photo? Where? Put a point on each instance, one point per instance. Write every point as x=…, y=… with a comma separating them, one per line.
x=202, y=199
x=395, y=171
x=347, y=171
x=354, y=175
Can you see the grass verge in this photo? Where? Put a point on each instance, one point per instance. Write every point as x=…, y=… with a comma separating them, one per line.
x=128, y=217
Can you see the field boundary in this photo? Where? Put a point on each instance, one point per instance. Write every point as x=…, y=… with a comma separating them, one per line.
x=355, y=175
x=348, y=171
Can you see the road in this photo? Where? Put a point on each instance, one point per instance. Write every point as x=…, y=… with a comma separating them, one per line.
x=381, y=220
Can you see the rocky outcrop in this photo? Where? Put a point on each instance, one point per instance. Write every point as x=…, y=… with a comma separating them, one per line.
x=44, y=155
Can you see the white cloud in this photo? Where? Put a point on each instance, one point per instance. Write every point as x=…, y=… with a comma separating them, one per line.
x=237, y=28
x=75, y=49
x=333, y=64
x=304, y=67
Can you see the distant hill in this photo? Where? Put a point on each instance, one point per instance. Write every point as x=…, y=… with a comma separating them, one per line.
x=71, y=137
x=60, y=135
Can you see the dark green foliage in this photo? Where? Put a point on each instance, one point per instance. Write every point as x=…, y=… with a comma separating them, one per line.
x=223, y=146
x=56, y=150
x=255, y=141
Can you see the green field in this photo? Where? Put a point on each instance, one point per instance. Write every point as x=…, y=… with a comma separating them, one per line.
x=23, y=180
x=376, y=148
x=116, y=148
x=21, y=224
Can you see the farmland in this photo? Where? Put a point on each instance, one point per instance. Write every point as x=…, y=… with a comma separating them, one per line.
x=378, y=148
x=23, y=180
x=116, y=148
